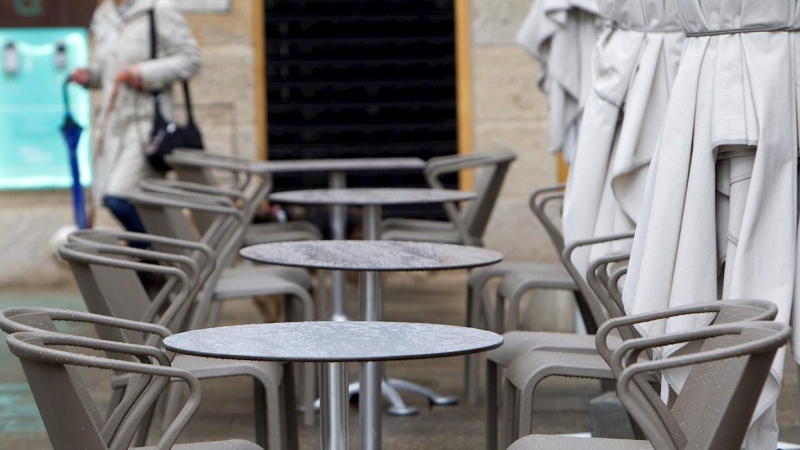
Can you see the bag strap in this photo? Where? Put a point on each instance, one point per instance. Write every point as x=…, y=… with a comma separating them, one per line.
x=151, y=13
x=153, y=55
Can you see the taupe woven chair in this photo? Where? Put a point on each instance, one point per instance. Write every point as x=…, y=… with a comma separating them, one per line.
x=522, y=277
x=467, y=224
x=164, y=214
x=109, y=278
x=597, y=309
x=71, y=417
x=199, y=167
x=529, y=370
x=714, y=408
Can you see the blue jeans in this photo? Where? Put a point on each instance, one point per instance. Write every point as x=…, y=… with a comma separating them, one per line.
x=126, y=214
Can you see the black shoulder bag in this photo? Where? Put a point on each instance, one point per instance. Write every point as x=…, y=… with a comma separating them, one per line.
x=168, y=136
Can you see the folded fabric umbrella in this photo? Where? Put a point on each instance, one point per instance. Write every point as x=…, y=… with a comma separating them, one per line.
x=72, y=135
x=635, y=63
x=719, y=215
x=561, y=35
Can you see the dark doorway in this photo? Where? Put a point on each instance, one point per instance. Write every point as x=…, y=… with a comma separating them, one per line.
x=361, y=78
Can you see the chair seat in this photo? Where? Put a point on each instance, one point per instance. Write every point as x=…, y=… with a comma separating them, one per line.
x=541, y=364
x=542, y=277
x=478, y=277
x=542, y=442
x=416, y=224
x=294, y=274
x=263, y=233
x=265, y=281
x=216, y=368
x=436, y=236
x=236, y=444
x=517, y=343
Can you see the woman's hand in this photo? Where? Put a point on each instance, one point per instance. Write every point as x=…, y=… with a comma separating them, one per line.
x=131, y=76
x=80, y=76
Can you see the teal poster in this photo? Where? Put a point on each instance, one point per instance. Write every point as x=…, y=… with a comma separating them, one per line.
x=33, y=66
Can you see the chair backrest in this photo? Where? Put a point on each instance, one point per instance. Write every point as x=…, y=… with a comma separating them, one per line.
x=70, y=417
x=109, y=278
x=720, y=312
x=597, y=309
x=253, y=184
x=597, y=279
x=492, y=168
x=539, y=201
x=164, y=215
x=716, y=403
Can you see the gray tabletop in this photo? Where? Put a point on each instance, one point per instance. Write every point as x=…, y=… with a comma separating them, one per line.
x=333, y=341
x=300, y=165
x=340, y=165
x=371, y=196
x=374, y=256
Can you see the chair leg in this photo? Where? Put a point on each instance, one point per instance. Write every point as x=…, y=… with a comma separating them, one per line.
x=271, y=406
x=513, y=312
x=260, y=412
x=508, y=417
x=308, y=375
x=308, y=371
x=524, y=410
x=491, y=404
x=144, y=428
x=288, y=411
x=499, y=314
x=175, y=392
x=471, y=362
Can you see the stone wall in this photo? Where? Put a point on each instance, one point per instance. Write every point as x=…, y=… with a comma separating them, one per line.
x=511, y=112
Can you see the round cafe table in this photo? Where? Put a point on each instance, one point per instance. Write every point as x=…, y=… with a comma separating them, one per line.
x=337, y=170
x=333, y=344
x=371, y=258
x=372, y=200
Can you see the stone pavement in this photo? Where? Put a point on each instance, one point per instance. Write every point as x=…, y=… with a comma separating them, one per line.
x=226, y=411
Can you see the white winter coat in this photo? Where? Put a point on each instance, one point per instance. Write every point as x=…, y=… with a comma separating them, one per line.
x=122, y=41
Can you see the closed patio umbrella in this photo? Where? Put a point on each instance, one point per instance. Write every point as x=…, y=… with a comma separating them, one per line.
x=635, y=63
x=719, y=215
x=561, y=35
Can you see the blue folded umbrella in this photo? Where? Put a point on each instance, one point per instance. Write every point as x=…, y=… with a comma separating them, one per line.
x=72, y=135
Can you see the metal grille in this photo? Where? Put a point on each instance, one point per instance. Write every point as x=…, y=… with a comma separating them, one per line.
x=361, y=78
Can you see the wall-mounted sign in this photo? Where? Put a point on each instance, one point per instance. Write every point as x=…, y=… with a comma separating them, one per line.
x=34, y=66
x=46, y=13
x=205, y=6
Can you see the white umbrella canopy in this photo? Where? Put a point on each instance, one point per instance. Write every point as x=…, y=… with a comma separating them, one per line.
x=635, y=63
x=719, y=215
x=561, y=34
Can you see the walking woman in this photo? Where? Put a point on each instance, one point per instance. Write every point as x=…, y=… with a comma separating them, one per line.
x=128, y=76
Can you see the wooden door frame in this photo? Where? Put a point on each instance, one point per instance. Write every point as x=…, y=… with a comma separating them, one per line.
x=260, y=67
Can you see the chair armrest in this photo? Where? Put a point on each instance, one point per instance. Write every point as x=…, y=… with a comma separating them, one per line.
x=33, y=346
x=214, y=161
x=89, y=237
x=8, y=324
x=179, y=187
x=601, y=338
x=73, y=252
x=175, y=202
